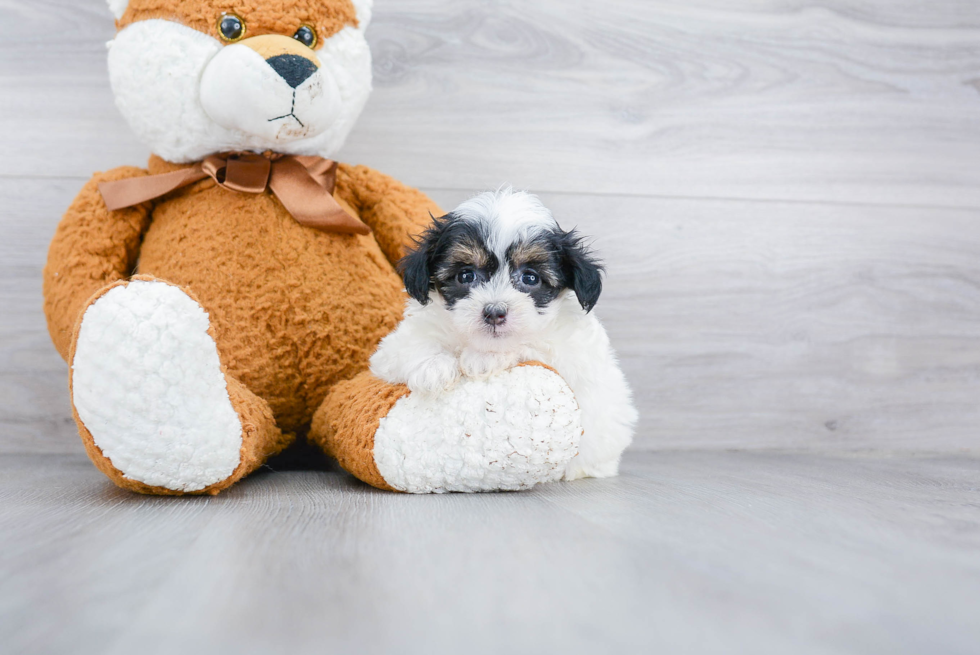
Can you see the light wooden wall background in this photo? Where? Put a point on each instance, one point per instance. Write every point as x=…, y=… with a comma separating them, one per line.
x=787, y=194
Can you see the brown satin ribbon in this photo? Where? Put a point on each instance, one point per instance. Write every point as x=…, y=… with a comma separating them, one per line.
x=304, y=186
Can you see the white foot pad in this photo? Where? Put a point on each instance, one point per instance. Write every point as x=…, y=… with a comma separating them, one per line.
x=510, y=432
x=148, y=386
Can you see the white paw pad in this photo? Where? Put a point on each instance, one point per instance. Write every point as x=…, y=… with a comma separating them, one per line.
x=147, y=384
x=509, y=432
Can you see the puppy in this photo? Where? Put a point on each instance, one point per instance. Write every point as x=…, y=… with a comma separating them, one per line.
x=497, y=282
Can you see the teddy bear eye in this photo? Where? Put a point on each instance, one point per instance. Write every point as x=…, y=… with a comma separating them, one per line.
x=231, y=27
x=307, y=36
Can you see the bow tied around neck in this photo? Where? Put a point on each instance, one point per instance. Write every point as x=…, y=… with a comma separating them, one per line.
x=304, y=186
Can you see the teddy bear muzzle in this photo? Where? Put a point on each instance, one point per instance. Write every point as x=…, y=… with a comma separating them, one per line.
x=270, y=87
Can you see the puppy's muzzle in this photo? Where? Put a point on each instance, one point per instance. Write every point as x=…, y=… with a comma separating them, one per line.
x=495, y=315
x=293, y=61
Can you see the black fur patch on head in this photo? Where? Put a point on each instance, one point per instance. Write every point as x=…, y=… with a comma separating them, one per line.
x=581, y=269
x=450, y=248
x=540, y=257
x=561, y=260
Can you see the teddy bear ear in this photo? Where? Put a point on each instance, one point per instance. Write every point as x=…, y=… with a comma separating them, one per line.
x=363, y=8
x=118, y=7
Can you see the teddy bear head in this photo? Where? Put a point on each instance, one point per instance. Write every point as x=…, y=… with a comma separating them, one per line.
x=197, y=77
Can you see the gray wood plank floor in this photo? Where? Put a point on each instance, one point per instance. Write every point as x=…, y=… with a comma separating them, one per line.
x=741, y=324
x=696, y=552
x=787, y=195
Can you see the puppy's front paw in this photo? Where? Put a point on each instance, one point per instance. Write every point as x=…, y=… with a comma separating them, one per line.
x=436, y=374
x=476, y=364
x=385, y=364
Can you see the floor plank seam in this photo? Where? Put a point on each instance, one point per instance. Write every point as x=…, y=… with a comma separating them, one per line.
x=601, y=194
x=774, y=201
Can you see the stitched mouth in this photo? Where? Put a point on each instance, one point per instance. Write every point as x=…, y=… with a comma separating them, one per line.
x=291, y=114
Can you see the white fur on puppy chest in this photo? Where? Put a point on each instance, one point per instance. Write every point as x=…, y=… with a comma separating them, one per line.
x=148, y=386
x=509, y=432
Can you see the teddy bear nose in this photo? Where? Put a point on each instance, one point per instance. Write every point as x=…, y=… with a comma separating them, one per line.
x=292, y=68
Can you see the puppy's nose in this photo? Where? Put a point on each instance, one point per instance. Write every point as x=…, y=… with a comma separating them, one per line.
x=495, y=314
x=292, y=68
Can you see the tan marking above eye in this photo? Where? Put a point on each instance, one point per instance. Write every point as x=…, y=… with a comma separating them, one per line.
x=538, y=256
x=530, y=254
x=468, y=254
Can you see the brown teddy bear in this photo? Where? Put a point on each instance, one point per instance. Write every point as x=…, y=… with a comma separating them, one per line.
x=225, y=300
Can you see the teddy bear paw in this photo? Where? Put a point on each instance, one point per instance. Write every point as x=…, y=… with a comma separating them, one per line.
x=508, y=432
x=147, y=385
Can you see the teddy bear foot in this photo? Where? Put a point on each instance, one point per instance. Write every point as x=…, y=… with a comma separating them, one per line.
x=508, y=432
x=153, y=406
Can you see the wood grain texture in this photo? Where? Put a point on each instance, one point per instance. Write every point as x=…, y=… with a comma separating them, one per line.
x=867, y=101
x=785, y=192
x=787, y=195
x=784, y=325
x=740, y=324
x=843, y=101
x=686, y=552
x=35, y=413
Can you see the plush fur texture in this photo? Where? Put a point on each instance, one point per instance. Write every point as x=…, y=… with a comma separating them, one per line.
x=129, y=375
x=144, y=358
x=347, y=421
x=206, y=329
x=187, y=93
x=452, y=442
x=118, y=7
x=327, y=17
x=509, y=432
x=497, y=282
x=294, y=310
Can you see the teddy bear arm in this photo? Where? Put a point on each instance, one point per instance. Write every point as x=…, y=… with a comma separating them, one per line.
x=92, y=248
x=346, y=422
x=509, y=432
x=395, y=213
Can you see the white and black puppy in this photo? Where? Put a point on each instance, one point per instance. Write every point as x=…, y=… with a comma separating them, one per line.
x=497, y=282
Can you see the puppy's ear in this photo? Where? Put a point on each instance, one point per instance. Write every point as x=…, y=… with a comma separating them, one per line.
x=416, y=266
x=581, y=269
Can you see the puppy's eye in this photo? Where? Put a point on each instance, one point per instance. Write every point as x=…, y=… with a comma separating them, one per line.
x=307, y=36
x=231, y=27
x=530, y=279
x=466, y=277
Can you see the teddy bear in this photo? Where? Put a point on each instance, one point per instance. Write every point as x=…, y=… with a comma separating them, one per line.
x=224, y=301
